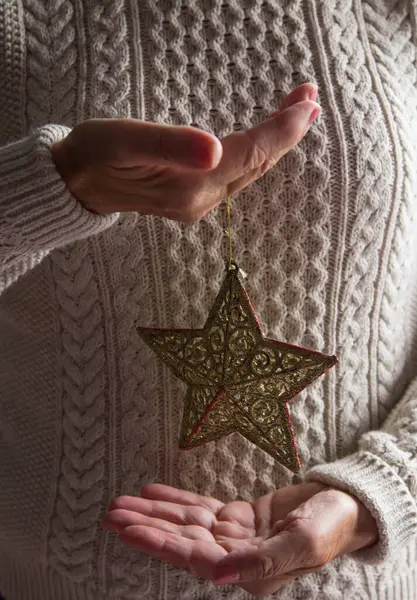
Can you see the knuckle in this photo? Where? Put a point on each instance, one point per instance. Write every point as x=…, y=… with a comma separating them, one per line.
x=256, y=155
x=267, y=164
x=309, y=540
x=259, y=158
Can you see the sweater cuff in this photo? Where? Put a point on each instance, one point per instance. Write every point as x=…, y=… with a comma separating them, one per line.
x=380, y=489
x=37, y=210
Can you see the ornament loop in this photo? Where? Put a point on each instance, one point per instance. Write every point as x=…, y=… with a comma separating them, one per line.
x=232, y=266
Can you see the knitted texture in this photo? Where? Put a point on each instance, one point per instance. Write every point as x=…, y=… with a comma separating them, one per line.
x=328, y=240
x=37, y=212
x=13, y=71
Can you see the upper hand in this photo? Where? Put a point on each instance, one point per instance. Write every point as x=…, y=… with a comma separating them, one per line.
x=261, y=545
x=114, y=165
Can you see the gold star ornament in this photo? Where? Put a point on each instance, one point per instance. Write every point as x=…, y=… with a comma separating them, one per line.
x=238, y=380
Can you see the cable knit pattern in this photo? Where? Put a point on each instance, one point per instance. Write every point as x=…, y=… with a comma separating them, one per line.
x=109, y=59
x=51, y=88
x=370, y=201
x=132, y=445
x=398, y=520
x=51, y=58
x=395, y=348
x=80, y=487
x=327, y=239
x=12, y=69
x=139, y=438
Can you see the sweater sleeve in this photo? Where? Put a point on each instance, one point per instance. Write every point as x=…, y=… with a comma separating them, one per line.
x=37, y=211
x=382, y=474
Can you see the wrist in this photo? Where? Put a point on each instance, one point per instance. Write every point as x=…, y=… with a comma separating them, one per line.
x=364, y=527
x=63, y=160
x=367, y=527
x=68, y=160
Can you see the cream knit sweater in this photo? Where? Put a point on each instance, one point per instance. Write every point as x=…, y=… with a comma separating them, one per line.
x=328, y=239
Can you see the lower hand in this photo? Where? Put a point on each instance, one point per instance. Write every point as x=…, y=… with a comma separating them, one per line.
x=182, y=173
x=261, y=545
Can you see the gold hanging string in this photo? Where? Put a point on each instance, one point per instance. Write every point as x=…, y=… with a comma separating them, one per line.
x=229, y=231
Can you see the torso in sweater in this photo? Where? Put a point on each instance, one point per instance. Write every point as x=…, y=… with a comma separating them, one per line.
x=328, y=240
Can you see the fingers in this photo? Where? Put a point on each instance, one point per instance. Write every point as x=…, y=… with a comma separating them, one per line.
x=181, y=173
x=158, y=491
x=129, y=143
x=151, y=143
x=197, y=556
x=248, y=155
x=118, y=520
x=306, y=91
x=167, y=511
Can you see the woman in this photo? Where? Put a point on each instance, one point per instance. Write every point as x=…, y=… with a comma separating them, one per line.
x=327, y=239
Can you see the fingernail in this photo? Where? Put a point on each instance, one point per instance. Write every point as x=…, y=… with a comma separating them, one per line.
x=225, y=575
x=204, y=153
x=314, y=115
x=313, y=93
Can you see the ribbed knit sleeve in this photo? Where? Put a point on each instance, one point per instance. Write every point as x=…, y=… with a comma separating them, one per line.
x=37, y=211
x=382, y=474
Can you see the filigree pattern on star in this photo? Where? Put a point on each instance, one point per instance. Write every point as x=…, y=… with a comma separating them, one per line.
x=238, y=380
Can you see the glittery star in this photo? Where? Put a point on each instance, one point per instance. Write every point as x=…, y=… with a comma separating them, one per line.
x=238, y=380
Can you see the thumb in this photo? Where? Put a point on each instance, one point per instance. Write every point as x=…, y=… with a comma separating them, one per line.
x=277, y=556
x=260, y=148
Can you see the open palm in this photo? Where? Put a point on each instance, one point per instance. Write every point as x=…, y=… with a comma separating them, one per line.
x=271, y=540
